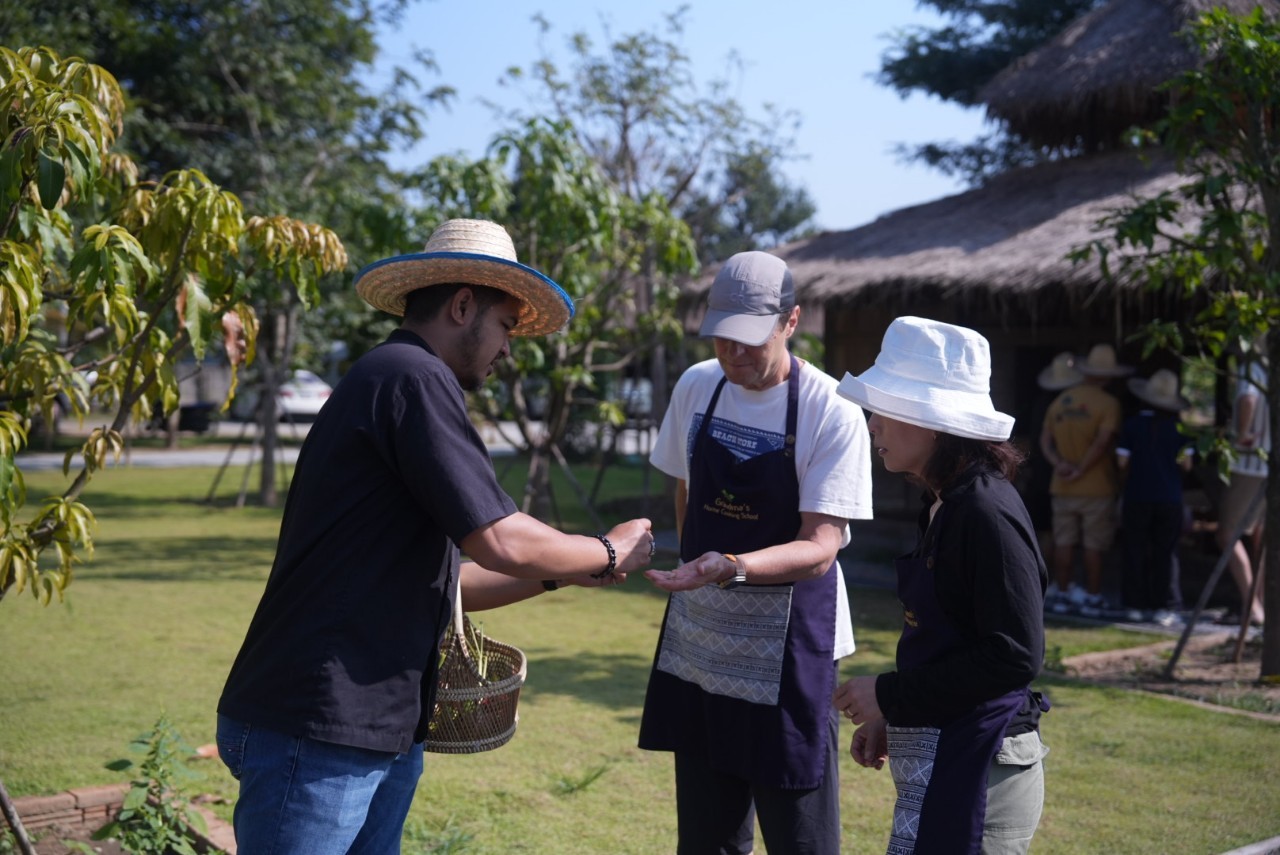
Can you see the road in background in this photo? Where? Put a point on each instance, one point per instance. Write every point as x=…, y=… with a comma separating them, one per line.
x=502, y=440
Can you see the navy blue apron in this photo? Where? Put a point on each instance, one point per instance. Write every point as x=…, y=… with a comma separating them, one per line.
x=741, y=506
x=940, y=771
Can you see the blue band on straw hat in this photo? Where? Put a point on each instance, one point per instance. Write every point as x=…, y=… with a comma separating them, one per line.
x=472, y=252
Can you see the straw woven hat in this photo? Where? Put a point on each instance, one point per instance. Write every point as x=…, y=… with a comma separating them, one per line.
x=1060, y=374
x=474, y=252
x=1101, y=362
x=1160, y=391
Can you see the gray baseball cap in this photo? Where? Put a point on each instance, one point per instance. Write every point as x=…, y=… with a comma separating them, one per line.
x=749, y=293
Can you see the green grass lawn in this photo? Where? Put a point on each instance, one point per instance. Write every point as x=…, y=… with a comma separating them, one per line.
x=151, y=624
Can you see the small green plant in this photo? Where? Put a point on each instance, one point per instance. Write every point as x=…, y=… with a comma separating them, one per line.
x=155, y=818
x=1053, y=659
x=566, y=786
x=447, y=839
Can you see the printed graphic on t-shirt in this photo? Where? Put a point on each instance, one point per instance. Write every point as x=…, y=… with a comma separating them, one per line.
x=743, y=441
x=1074, y=410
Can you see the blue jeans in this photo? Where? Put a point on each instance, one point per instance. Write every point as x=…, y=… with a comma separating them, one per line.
x=300, y=796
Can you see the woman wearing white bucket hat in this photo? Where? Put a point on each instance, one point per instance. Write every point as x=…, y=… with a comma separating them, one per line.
x=957, y=721
x=324, y=713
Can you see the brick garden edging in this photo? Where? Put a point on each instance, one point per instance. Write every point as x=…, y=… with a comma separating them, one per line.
x=95, y=806
x=92, y=806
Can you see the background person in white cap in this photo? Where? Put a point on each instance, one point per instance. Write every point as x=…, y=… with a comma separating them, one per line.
x=325, y=710
x=770, y=465
x=1154, y=455
x=957, y=721
x=1078, y=438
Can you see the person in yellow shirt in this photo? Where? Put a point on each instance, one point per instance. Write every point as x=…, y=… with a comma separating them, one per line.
x=1078, y=438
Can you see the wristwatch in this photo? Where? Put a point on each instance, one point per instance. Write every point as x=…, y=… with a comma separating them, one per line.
x=739, y=576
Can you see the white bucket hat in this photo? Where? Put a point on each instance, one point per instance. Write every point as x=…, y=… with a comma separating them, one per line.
x=473, y=252
x=1060, y=374
x=750, y=292
x=932, y=375
x=1160, y=391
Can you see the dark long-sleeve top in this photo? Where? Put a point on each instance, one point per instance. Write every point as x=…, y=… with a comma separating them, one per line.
x=990, y=580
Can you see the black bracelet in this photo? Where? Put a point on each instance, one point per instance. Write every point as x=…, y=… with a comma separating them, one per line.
x=550, y=584
x=613, y=558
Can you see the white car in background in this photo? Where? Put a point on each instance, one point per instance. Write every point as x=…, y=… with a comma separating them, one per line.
x=301, y=396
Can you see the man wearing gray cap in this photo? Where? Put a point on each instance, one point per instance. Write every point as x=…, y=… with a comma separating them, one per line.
x=770, y=464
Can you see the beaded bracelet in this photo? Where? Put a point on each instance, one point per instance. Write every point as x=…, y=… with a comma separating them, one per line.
x=613, y=558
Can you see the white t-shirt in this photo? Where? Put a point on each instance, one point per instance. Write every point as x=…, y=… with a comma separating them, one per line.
x=833, y=447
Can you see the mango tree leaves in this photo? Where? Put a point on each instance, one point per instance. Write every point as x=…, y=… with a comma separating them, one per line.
x=97, y=315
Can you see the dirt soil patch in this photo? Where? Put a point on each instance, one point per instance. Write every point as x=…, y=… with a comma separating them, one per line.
x=1206, y=672
x=60, y=840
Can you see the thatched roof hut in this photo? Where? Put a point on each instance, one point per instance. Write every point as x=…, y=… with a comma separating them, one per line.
x=998, y=244
x=994, y=259
x=1101, y=75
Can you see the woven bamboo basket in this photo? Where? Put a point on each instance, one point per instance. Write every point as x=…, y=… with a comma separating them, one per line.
x=479, y=687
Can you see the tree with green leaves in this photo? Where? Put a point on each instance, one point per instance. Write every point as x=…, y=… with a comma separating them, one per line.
x=1217, y=236
x=954, y=61
x=105, y=283
x=660, y=142
x=571, y=222
x=635, y=106
x=266, y=98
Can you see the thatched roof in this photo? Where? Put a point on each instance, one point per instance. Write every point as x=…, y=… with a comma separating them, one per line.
x=1099, y=76
x=1010, y=237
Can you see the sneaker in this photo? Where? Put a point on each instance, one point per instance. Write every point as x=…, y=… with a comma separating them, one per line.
x=1051, y=596
x=1135, y=616
x=1077, y=596
x=1166, y=618
x=1093, y=607
x=1057, y=603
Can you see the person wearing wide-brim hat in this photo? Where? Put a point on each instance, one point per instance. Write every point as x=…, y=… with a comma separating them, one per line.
x=1160, y=390
x=1077, y=437
x=323, y=716
x=960, y=702
x=1101, y=362
x=1060, y=374
x=1154, y=453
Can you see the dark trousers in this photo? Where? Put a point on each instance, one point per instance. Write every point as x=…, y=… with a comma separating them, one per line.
x=717, y=813
x=1151, y=532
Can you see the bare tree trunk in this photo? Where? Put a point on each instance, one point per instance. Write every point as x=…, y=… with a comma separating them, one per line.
x=268, y=418
x=275, y=345
x=537, y=488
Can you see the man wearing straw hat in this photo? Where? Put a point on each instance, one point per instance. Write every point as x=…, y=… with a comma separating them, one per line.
x=1078, y=438
x=770, y=465
x=326, y=707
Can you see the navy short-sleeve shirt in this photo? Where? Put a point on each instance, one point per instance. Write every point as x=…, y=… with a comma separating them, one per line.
x=344, y=645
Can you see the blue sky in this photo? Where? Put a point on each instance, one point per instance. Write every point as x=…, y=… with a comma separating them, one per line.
x=809, y=56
